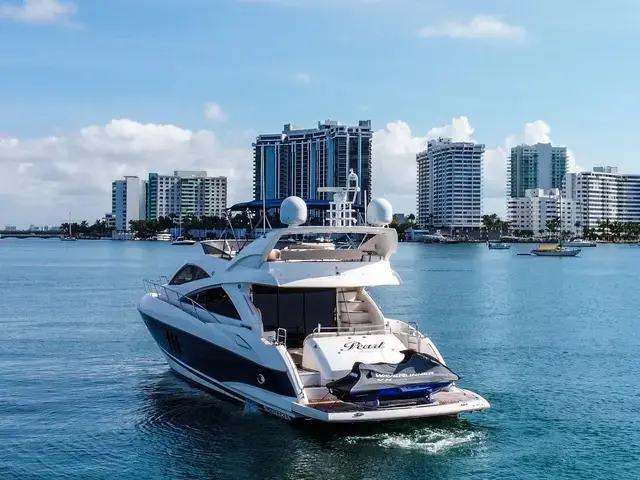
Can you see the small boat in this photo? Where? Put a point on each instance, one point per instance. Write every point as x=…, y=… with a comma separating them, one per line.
x=70, y=237
x=498, y=246
x=555, y=251
x=579, y=242
x=183, y=241
x=438, y=238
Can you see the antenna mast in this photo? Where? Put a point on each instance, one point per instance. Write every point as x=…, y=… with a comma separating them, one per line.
x=341, y=211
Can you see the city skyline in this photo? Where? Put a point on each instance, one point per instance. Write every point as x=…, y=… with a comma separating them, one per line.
x=87, y=96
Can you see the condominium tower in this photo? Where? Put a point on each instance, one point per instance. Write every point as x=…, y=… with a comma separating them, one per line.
x=530, y=167
x=186, y=193
x=298, y=161
x=535, y=166
x=604, y=194
x=128, y=201
x=450, y=184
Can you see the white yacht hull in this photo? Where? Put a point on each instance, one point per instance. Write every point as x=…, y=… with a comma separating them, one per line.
x=211, y=357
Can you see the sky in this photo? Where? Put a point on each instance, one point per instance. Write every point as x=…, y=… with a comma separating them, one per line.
x=91, y=90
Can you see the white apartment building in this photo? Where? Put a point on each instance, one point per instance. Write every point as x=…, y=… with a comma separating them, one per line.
x=128, y=201
x=186, y=193
x=450, y=184
x=538, y=206
x=605, y=194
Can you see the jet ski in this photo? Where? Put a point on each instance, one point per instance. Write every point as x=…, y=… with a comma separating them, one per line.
x=416, y=376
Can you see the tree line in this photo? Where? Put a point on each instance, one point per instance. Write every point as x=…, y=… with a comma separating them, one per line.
x=605, y=230
x=99, y=228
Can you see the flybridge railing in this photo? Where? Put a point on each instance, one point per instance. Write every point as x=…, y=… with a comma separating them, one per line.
x=353, y=329
x=177, y=299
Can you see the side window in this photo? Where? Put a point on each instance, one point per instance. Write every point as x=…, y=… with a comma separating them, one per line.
x=187, y=274
x=217, y=301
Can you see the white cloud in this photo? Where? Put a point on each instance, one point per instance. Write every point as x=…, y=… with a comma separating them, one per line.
x=303, y=78
x=45, y=177
x=214, y=112
x=480, y=26
x=394, y=160
x=38, y=11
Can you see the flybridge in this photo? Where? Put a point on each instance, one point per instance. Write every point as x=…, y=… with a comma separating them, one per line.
x=342, y=239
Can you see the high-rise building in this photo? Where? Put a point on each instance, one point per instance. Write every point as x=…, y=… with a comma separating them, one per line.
x=530, y=167
x=128, y=201
x=186, y=193
x=535, y=166
x=538, y=206
x=298, y=161
x=450, y=184
x=604, y=194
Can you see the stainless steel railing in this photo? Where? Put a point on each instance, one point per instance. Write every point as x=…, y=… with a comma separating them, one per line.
x=177, y=299
x=353, y=329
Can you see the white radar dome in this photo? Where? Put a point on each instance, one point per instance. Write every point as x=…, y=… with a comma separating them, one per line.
x=379, y=212
x=293, y=211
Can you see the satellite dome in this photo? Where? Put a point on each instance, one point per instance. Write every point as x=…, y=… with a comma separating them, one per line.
x=379, y=212
x=293, y=211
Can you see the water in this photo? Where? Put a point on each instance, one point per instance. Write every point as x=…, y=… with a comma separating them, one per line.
x=552, y=343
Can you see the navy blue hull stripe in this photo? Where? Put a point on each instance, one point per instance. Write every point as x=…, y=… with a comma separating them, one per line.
x=216, y=362
x=217, y=384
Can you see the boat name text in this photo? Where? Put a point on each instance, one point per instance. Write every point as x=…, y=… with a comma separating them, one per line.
x=347, y=347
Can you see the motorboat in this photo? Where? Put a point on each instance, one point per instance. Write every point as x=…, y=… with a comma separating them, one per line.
x=555, y=251
x=295, y=332
x=579, y=242
x=163, y=237
x=183, y=241
x=438, y=238
x=498, y=246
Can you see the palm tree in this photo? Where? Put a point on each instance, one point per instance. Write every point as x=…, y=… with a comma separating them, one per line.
x=553, y=225
x=605, y=227
x=616, y=230
x=578, y=224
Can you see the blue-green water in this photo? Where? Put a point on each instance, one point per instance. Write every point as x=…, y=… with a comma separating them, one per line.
x=552, y=343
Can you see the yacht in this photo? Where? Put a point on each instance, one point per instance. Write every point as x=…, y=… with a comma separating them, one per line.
x=498, y=246
x=438, y=238
x=183, y=241
x=290, y=327
x=579, y=242
x=555, y=251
